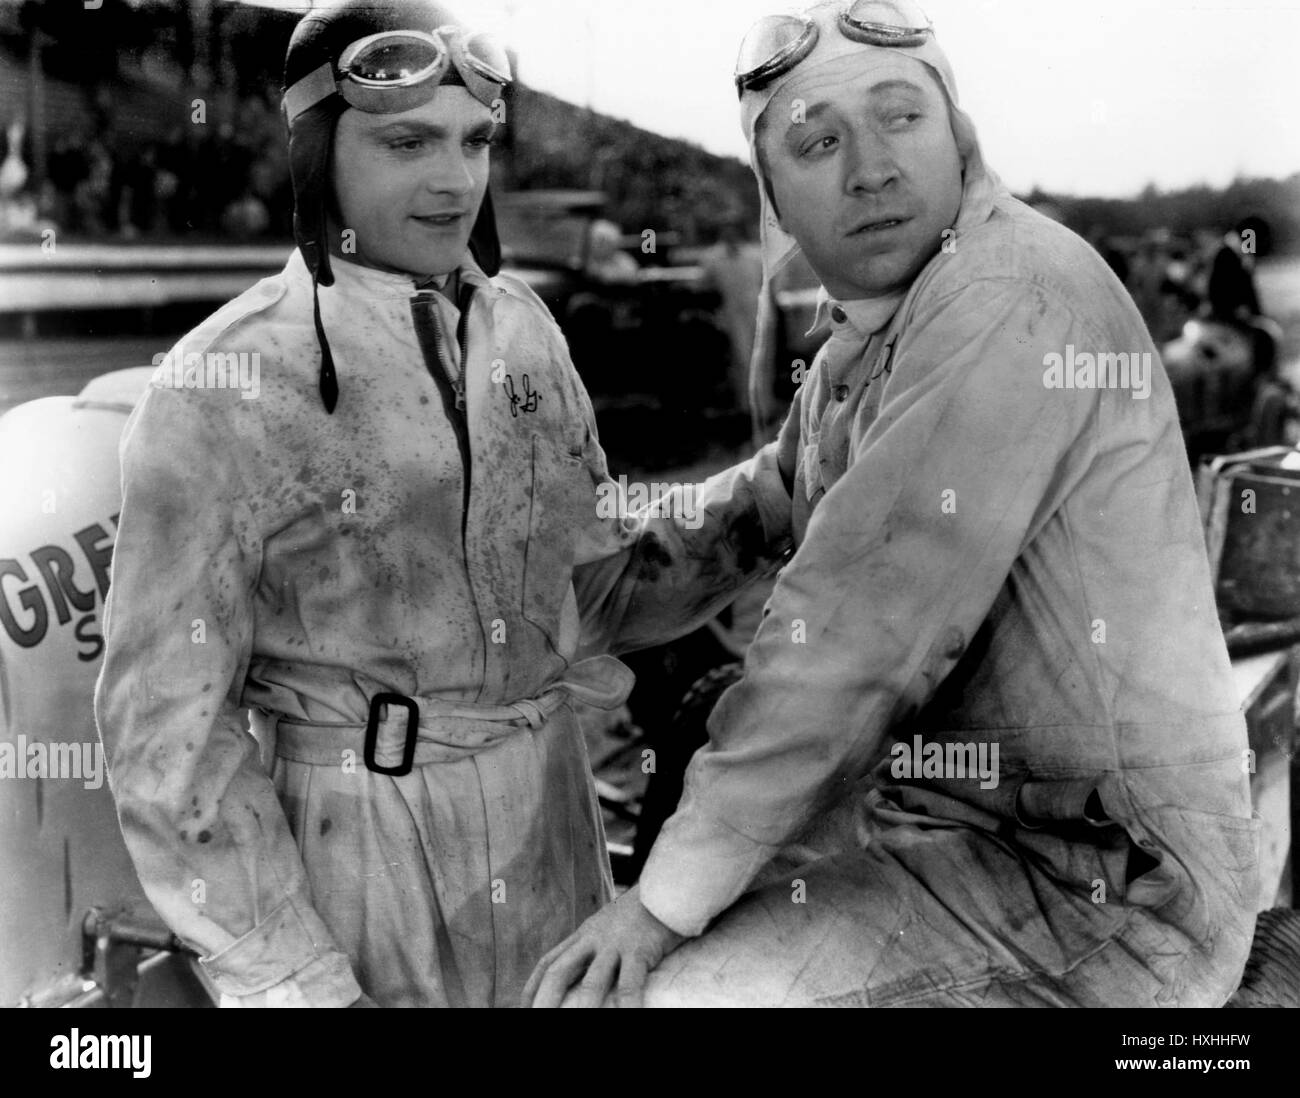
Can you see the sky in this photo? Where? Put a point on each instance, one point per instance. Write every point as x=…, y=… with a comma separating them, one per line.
x=1096, y=98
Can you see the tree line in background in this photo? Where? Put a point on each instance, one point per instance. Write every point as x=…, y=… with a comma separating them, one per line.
x=131, y=72
x=1187, y=210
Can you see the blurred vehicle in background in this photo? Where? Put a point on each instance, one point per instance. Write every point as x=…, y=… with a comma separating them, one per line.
x=1227, y=388
x=646, y=338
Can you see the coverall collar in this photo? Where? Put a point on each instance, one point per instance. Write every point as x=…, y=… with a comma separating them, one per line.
x=356, y=280
x=859, y=318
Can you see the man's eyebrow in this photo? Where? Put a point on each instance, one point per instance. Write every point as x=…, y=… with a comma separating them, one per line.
x=810, y=114
x=409, y=128
x=897, y=84
x=412, y=128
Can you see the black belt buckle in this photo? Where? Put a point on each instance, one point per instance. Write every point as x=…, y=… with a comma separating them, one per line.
x=372, y=733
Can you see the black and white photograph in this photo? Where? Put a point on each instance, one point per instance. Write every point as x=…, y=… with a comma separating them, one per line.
x=576, y=503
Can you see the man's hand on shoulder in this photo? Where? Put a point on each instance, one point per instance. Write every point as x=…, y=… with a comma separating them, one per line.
x=616, y=948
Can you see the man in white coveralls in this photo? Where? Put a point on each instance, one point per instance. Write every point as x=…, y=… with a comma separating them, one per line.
x=395, y=554
x=999, y=560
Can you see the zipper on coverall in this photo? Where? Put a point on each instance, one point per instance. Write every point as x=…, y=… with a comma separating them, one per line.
x=451, y=385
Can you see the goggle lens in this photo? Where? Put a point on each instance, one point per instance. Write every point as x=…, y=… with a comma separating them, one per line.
x=773, y=45
x=488, y=57
x=886, y=23
x=393, y=60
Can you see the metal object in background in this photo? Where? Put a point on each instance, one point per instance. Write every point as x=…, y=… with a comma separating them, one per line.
x=1250, y=504
x=1213, y=372
x=123, y=957
x=1252, y=637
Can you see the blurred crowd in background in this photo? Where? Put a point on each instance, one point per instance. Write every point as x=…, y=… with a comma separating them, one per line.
x=230, y=178
x=1172, y=277
x=160, y=121
x=160, y=124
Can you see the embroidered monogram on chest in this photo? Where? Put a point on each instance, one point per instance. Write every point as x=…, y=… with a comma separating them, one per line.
x=525, y=400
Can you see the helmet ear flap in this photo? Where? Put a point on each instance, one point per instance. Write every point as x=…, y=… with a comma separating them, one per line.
x=311, y=141
x=484, y=243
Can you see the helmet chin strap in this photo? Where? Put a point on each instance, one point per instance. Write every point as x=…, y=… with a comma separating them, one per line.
x=312, y=106
x=329, y=382
x=311, y=145
x=311, y=140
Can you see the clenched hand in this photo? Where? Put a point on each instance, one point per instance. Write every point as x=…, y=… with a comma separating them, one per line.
x=620, y=944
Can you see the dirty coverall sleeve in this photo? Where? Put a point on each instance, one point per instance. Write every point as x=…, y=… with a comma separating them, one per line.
x=887, y=588
x=668, y=569
x=199, y=814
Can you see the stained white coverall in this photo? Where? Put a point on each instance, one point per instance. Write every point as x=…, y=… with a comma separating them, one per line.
x=274, y=557
x=982, y=560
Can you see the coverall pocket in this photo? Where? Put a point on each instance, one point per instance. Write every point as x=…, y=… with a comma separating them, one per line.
x=1206, y=872
x=562, y=504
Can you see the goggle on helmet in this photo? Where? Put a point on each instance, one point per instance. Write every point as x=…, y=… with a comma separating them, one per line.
x=396, y=71
x=777, y=43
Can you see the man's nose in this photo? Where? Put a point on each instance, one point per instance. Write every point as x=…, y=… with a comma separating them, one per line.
x=450, y=174
x=870, y=166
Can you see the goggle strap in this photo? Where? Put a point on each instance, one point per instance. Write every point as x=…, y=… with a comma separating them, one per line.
x=310, y=90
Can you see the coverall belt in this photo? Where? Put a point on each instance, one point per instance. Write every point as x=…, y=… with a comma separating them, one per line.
x=451, y=729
